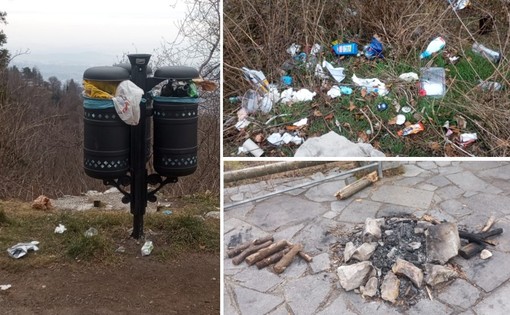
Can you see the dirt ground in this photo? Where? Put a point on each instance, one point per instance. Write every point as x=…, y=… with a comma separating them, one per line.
x=189, y=284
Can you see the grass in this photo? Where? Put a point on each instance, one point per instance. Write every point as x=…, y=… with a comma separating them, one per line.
x=183, y=231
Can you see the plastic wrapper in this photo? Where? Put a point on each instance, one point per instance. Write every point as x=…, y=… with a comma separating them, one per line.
x=337, y=73
x=371, y=85
x=257, y=79
x=127, y=102
x=21, y=249
x=412, y=129
x=374, y=49
x=99, y=89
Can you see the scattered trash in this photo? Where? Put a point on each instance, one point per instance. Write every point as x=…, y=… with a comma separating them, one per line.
x=291, y=96
x=127, y=102
x=234, y=99
x=406, y=109
x=242, y=124
x=337, y=91
x=4, y=287
x=42, y=203
x=332, y=144
x=382, y=107
x=91, y=232
x=257, y=79
x=278, y=139
x=301, y=123
x=286, y=80
x=490, y=86
x=435, y=45
x=412, y=129
x=432, y=82
x=21, y=249
x=401, y=119
x=275, y=117
x=167, y=212
x=371, y=85
x=374, y=49
x=459, y=4
x=409, y=77
x=491, y=55
x=60, y=229
x=147, y=248
x=294, y=49
x=348, y=49
x=120, y=249
x=337, y=73
x=251, y=147
x=467, y=138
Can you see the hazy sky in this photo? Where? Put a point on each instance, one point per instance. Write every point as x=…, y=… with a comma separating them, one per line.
x=106, y=26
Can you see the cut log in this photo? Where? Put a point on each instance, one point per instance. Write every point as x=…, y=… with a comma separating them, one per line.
x=250, y=250
x=287, y=259
x=470, y=250
x=263, y=253
x=272, y=259
x=358, y=185
x=479, y=237
x=239, y=248
x=305, y=256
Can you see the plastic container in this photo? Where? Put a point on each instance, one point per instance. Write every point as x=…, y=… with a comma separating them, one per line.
x=435, y=45
x=147, y=248
x=490, y=54
x=432, y=82
x=349, y=49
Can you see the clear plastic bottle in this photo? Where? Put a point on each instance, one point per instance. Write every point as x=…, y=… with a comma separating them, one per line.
x=432, y=82
x=147, y=248
x=490, y=54
x=435, y=45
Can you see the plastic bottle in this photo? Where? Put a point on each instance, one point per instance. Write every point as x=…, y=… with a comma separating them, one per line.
x=147, y=248
x=432, y=82
x=492, y=55
x=435, y=45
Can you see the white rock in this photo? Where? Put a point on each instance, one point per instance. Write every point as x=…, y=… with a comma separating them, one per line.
x=485, y=254
x=355, y=275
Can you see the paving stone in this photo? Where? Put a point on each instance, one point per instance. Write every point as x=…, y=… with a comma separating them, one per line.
x=427, y=187
x=387, y=210
x=443, y=163
x=320, y=263
x=237, y=197
x=239, y=211
x=487, y=274
x=339, y=205
x=488, y=203
x=230, y=190
x=479, y=166
x=229, y=303
x=288, y=233
x=439, y=181
x=501, y=172
x=229, y=269
x=306, y=294
x=256, y=303
x=238, y=231
x=455, y=208
x=427, y=165
x=409, y=181
x=496, y=303
x=449, y=192
x=324, y=192
x=339, y=306
x=503, y=241
x=296, y=192
x=476, y=220
x=468, y=312
x=358, y=211
x=295, y=270
x=426, y=306
x=467, y=181
x=412, y=170
x=470, y=194
x=450, y=170
x=502, y=184
x=260, y=280
x=282, y=310
x=285, y=210
x=330, y=214
x=460, y=293
x=316, y=236
x=440, y=215
x=253, y=187
x=405, y=196
x=357, y=304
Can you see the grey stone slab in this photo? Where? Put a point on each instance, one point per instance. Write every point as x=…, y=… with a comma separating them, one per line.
x=229, y=269
x=330, y=214
x=496, y=303
x=324, y=192
x=487, y=274
x=488, y=203
x=404, y=196
x=320, y=263
x=237, y=197
x=238, y=231
x=409, y=181
x=503, y=241
x=427, y=165
x=468, y=312
x=455, y=208
x=239, y=211
x=427, y=187
x=282, y=310
x=426, y=306
x=388, y=210
x=439, y=214
x=481, y=165
x=252, y=302
x=261, y=280
x=450, y=170
x=475, y=221
x=288, y=232
x=411, y=170
x=316, y=236
x=295, y=270
x=500, y=172
x=443, y=163
x=283, y=211
x=339, y=205
x=358, y=211
x=502, y=184
x=439, y=181
x=468, y=181
x=449, y=192
x=230, y=190
x=306, y=294
x=460, y=293
x=338, y=306
x=296, y=192
x=228, y=303
x=252, y=187
x=360, y=306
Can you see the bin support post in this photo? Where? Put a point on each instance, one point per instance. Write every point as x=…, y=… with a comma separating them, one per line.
x=138, y=170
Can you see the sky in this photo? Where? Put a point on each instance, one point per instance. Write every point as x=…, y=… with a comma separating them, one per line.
x=100, y=29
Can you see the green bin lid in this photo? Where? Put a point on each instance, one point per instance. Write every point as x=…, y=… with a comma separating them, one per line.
x=106, y=73
x=176, y=72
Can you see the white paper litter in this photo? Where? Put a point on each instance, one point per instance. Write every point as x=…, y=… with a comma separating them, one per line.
x=21, y=249
x=334, y=92
x=277, y=139
x=301, y=123
x=372, y=85
x=337, y=73
x=242, y=124
x=409, y=77
x=60, y=229
x=4, y=287
x=291, y=96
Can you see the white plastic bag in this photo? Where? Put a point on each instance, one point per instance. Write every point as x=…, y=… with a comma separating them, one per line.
x=127, y=102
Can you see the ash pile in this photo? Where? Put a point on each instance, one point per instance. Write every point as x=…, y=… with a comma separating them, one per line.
x=400, y=259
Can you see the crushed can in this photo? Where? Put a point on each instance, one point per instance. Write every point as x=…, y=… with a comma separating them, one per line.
x=490, y=54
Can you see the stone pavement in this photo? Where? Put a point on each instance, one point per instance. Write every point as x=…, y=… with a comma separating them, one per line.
x=463, y=192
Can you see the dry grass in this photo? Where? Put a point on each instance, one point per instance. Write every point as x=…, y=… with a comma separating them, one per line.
x=257, y=34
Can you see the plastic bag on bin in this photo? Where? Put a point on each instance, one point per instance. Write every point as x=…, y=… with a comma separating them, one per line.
x=127, y=102
x=98, y=89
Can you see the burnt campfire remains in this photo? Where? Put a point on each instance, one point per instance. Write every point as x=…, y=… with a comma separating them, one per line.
x=400, y=259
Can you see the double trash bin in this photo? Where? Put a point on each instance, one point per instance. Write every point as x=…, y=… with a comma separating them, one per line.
x=174, y=120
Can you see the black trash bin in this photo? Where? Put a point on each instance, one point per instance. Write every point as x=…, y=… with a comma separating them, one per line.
x=106, y=136
x=175, y=127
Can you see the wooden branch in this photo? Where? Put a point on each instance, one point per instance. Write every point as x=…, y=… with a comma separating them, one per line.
x=272, y=259
x=302, y=254
x=479, y=237
x=239, y=248
x=263, y=253
x=470, y=250
x=287, y=259
x=250, y=250
x=358, y=185
x=489, y=223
